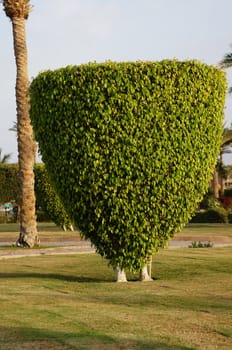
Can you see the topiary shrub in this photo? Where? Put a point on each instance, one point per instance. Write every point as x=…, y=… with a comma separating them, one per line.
x=130, y=148
x=48, y=200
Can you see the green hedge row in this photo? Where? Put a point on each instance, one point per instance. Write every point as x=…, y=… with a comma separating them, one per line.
x=9, y=183
x=130, y=148
x=214, y=215
x=46, y=198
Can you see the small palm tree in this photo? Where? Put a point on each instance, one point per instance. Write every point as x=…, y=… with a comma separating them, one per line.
x=18, y=11
x=226, y=62
x=14, y=127
x=219, y=171
x=4, y=158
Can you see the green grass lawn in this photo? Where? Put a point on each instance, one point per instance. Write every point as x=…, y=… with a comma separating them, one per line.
x=45, y=229
x=207, y=230
x=50, y=229
x=41, y=226
x=72, y=302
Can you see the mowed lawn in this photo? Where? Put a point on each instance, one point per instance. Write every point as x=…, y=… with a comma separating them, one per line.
x=72, y=302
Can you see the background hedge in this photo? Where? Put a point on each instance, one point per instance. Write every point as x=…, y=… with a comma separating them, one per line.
x=9, y=183
x=48, y=200
x=130, y=148
x=46, y=197
x=213, y=215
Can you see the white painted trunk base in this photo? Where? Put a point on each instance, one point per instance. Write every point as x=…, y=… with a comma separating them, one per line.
x=144, y=275
x=120, y=275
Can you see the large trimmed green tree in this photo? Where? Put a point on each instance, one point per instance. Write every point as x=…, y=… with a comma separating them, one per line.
x=130, y=148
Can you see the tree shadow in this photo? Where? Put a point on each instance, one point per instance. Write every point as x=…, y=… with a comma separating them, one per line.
x=66, y=278
x=85, y=340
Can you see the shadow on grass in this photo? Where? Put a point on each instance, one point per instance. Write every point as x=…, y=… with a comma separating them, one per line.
x=53, y=276
x=67, y=278
x=80, y=340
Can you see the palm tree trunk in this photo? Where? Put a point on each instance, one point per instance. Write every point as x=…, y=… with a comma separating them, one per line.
x=222, y=175
x=215, y=183
x=26, y=147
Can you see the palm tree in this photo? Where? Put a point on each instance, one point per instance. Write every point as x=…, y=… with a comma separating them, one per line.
x=219, y=171
x=14, y=127
x=18, y=11
x=4, y=158
x=226, y=62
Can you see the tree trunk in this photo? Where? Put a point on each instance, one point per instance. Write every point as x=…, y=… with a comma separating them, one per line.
x=120, y=275
x=222, y=186
x=26, y=146
x=222, y=175
x=215, y=184
x=144, y=275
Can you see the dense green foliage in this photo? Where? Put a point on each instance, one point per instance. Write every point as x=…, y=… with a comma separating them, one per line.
x=9, y=183
x=209, y=201
x=213, y=215
x=47, y=198
x=228, y=192
x=130, y=148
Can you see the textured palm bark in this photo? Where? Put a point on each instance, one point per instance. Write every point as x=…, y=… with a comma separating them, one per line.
x=26, y=146
x=215, y=183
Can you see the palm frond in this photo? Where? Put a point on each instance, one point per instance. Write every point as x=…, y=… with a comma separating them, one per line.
x=226, y=62
x=14, y=127
x=4, y=159
x=19, y=8
x=226, y=137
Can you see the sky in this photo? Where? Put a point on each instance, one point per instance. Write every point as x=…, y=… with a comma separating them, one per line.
x=60, y=33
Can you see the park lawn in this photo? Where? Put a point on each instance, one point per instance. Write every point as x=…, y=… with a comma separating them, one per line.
x=210, y=230
x=72, y=302
x=47, y=229
x=44, y=227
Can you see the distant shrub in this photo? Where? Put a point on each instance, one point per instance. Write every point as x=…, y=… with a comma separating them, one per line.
x=42, y=216
x=9, y=183
x=210, y=202
x=230, y=217
x=46, y=197
x=217, y=215
x=228, y=192
x=226, y=202
x=201, y=245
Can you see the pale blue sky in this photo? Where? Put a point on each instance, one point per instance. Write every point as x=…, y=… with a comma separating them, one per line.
x=61, y=32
